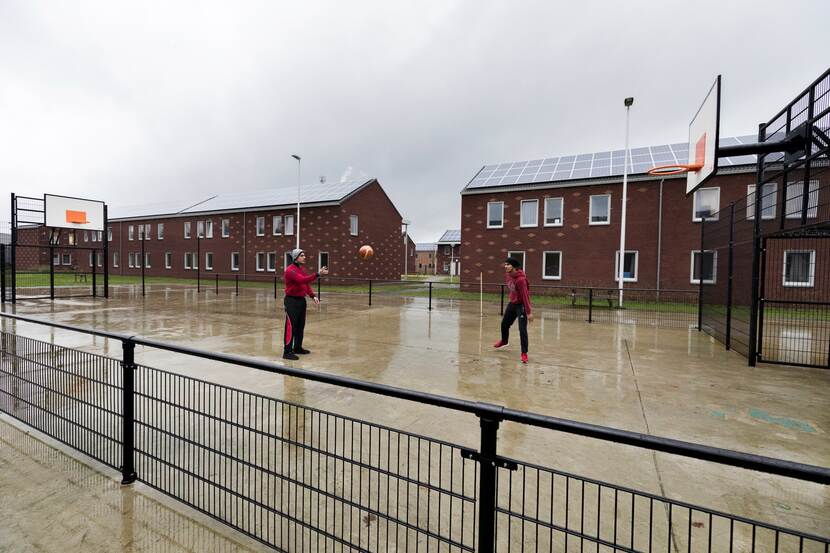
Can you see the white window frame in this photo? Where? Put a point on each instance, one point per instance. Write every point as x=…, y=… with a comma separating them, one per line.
x=320, y=259
x=99, y=259
x=100, y=234
x=226, y=228
x=200, y=229
x=591, y=221
x=276, y=224
x=109, y=234
x=285, y=228
x=523, y=256
x=195, y=258
x=147, y=260
x=487, y=215
x=522, y=222
x=137, y=260
x=260, y=261
x=286, y=260
x=91, y=259
x=354, y=227
x=148, y=231
x=130, y=232
x=750, y=201
x=208, y=228
x=187, y=260
x=715, y=212
x=116, y=259
x=271, y=262
x=812, y=207
x=561, y=212
x=260, y=226
x=235, y=266
x=714, y=280
x=545, y=263
x=131, y=260
x=160, y=231
x=86, y=236
x=636, y=266
x=187, y=229
x=208, y=261
x=812, y=277
x=168, y=260
x=56, y=259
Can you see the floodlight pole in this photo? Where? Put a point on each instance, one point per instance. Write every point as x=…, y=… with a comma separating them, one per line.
x=621, y=263
x=295, y=156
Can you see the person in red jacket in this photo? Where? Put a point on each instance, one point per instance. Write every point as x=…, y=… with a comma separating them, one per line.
x=518, y=306
x=297, y=287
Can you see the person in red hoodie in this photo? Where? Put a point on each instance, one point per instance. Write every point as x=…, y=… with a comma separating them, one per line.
x=517, y=308
x=297, y=287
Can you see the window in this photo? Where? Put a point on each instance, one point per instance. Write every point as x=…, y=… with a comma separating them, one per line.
x=130, y=232
x=71, y=238
x=138, y=260
x=209, y=228
x=446, y=267
x=795, y=200
x=235, y=261
x=56, y=259
x=289, y=225
x=91, y=258
x=768, y=201
x=799, y=268
x=187, y=261
x=520, y=256
x=147, y=259
x=115, y=259
x=322, y=260
x=160, y=231
x=495, y=214
x=208, y=261
x=277, y=225
x=226, y=228
x=195, y=257
x=552, y=265
x=100, y=234
x=529, y=214
x=629, y=267
x=272, y=261
x=131, y=260
x=260, y=261
x=260, y=226
x=200, y=229
x=553, y=212
x=168, y=260
x=148, y=231
x=100, y=259
x=109, y=234
x=706, y=203
x=353, y=225
x=187, y=232
x=447, y=250
x=599, y=210
x=705, y=264
x=86, y=236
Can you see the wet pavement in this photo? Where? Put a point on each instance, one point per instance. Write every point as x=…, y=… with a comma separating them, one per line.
x=676, y=383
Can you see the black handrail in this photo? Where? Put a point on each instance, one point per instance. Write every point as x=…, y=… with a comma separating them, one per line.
x=770, y=465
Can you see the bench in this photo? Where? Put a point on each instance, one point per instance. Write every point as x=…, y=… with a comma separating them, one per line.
x=610, y=296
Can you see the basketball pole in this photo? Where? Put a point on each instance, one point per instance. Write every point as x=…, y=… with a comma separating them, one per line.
x=295, y=156
x=621, y=269
x=481, y=294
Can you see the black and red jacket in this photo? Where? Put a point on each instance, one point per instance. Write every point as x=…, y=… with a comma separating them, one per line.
x=297, y=281
x=519, y=292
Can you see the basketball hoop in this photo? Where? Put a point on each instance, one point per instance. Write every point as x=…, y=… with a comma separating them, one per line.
x=663, y=170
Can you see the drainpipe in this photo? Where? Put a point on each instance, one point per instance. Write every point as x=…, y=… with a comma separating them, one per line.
x=659, y=236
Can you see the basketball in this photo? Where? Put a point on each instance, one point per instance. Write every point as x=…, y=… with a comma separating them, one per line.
x=366, y=252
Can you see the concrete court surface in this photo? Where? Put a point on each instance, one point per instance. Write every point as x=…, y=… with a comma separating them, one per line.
x=666, y=382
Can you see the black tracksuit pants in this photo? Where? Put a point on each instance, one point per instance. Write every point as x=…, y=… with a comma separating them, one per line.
x=514, y=311
x=295, y=307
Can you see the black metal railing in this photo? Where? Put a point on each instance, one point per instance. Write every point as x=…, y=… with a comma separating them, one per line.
x=303, y=479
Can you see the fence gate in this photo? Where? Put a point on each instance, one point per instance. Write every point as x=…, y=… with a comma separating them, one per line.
x=794, y=314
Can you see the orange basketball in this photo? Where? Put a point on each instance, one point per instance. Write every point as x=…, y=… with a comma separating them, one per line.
x=366, y=252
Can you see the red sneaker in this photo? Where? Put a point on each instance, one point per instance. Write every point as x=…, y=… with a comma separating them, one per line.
x=524, y=358
x=500, y=345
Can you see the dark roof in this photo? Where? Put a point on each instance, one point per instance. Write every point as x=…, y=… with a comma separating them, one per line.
x=450, y=237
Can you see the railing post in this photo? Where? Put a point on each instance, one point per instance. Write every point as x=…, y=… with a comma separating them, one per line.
x=700, y=277
x=590, y=305
x=143, y=259
x=3, y=272
x=275, y=286
x=487, y=484
x=370, y=292
x=501, y=307
x=430, y=295
x=217, y=283
x=728, y=336
x=318, y=287
x=52, y=272
x=94, y=282
x=128, y=475
x=237, y=284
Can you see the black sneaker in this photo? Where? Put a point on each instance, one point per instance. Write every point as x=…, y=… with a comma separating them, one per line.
x=289, y=355
x=301, y=351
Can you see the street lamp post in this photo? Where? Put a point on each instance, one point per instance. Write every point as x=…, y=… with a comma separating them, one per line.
x=295, y=156
x=405, y=223
x=621, y=272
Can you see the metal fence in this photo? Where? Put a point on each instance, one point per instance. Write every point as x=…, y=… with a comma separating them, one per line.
x=303, y=479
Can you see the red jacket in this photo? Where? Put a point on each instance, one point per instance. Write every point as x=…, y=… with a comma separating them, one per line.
x=518, y=287
x=297, y=282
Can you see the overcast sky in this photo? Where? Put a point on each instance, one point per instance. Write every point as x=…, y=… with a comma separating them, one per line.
x=147, y=101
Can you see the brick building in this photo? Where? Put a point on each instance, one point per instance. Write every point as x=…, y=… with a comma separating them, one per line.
x=561, y=218
x=448, y=253
x=249, y=234
x=425, y=258
x=412, y=259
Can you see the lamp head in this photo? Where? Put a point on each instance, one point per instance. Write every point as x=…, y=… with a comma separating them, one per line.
x=295, y=156
x=629, y=102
